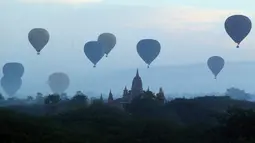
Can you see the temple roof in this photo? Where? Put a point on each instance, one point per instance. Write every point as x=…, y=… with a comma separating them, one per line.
x=137, y=82
x=137, y=73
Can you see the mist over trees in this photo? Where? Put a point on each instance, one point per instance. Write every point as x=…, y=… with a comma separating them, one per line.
x=148, y=118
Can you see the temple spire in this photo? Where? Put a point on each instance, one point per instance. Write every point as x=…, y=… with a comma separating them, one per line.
x=161, y=90
x=137, y=85
x=101, y=97
x=110, y=98
x=125, y=92
x=137, y=73
x=161, y=96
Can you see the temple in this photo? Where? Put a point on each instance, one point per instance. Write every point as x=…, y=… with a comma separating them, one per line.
x=137, y=85
x=129, y=95
x=136, y=89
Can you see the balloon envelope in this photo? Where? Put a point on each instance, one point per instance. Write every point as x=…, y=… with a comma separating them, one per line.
x=94, y=51
x=215, y=64
x=148, y=50
x=58, y=82
x=38, y=38
x=238, y=27
x=108, y=42
x=13, y=69
x=11, y=85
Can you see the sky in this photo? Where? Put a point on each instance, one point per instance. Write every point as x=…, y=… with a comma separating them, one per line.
x=189, y=32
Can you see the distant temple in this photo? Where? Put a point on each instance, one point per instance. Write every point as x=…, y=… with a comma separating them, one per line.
x=110, y=98
x=136, y=89
x=137, y=85
x=161, y=96
x=129, y=95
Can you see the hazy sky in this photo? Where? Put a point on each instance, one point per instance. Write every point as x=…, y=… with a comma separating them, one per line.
x=189, y=32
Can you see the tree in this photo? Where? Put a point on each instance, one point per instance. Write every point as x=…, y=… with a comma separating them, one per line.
x=52, y=99
x=238, y=94
x=12, y=99
x=80, y=99
x=237, y=125
x=148, y=95
x=145, y=106
x=97, y=102
x=1, y=97
x=39, y=98
x=30, y=98
x=63, y=96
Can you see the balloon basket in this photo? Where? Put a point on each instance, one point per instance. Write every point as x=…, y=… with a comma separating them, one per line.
x=106, y=56
x=237, y=46
x=94, y=66
x=148, y=67
x=38, y=53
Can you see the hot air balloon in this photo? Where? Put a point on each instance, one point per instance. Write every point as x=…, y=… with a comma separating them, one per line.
x=58, y=82
x=94, y=51
x=38, y=37
x=238, y=27
x=13, y=69
x=108, y=41
x=215, y=64
x=148, y=50
x=11, y=85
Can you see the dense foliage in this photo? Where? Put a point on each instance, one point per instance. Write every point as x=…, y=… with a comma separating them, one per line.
x=207, y=119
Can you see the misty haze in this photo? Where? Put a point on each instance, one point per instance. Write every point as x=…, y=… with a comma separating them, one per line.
x=88, y=71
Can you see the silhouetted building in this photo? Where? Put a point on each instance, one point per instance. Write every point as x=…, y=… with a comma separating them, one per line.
x=125, y=92
x=110, y=97
x=128, y=95
x=101, y=98
x=137, y=85
x=161, y=96
x=136, y=89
